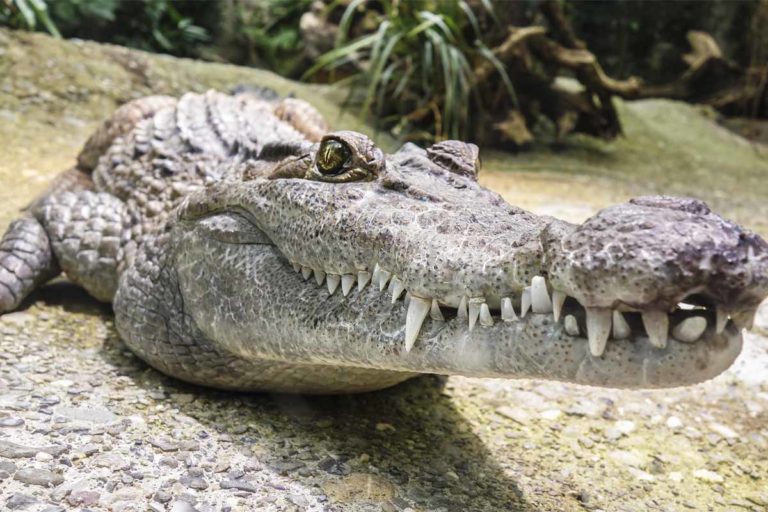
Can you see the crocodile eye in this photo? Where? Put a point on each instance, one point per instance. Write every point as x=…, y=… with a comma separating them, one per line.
x=332, y=156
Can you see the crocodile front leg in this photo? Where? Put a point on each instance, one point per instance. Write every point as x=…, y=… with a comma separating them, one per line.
x=26, y=261
x=92, y=236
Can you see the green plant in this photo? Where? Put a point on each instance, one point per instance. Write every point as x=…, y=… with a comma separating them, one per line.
x=154, y=25
x=416, y=72
x=270, y=31
x=27, y=14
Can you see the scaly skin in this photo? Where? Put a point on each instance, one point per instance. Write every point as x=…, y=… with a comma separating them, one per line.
x=241, y=253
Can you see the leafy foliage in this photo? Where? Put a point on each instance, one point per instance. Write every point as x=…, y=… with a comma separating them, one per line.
x=417, y=68
x=28, y=14
x=270, y=34
x=155, y=25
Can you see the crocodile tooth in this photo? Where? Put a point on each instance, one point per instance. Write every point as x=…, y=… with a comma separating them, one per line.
x=486, y=320
x=384, y=276
x=621, y=330
x=296, y=267
x=525, y=301
x=461, y=311
x=332, y=280
x=435, y=313
x=571, y=325
x=656, y=325
x=558, y=299
x=540, y=301
x=306, y=272
x=507, y=310
x=690, y=329
x=347, y=281
x=417, y=312
x=376, y=276
x=474, y=310
x=598, y=329
x=363, y=278
x=397, y=288
x=319, y=277
x=722, y=319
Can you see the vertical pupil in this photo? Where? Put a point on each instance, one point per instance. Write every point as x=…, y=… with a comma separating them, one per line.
x=333, y=154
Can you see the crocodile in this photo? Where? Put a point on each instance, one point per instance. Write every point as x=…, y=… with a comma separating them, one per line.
x=245, y=246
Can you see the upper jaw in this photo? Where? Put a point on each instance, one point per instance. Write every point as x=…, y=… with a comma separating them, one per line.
x=522, y=339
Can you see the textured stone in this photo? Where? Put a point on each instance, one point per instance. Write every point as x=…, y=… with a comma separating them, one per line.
x=41, y=477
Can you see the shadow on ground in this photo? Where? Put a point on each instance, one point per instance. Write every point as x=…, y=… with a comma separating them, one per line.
x=410, y=439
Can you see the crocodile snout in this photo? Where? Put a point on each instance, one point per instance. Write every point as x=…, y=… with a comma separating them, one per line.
x=656, y=255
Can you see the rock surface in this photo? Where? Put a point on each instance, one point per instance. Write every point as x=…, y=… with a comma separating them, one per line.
x=76, y=405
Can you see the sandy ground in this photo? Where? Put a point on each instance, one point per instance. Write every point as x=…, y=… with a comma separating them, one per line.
x=84, y=425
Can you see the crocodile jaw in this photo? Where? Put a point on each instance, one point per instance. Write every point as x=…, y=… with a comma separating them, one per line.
x=286, y=318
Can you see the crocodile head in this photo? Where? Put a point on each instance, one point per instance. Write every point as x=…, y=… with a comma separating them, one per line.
x=337, y=254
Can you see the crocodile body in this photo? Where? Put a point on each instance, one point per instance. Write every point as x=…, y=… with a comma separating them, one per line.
x=244, y=246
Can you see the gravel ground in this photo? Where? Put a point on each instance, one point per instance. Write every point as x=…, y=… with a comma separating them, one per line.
x=84, y=425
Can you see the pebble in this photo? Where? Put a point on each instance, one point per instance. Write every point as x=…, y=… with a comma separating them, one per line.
x=17, y=451
x=194, y=482
x=674, y=422
x=240, y=485
x=41, y=477
x=7, y=466
x=286, y=467
x=110, y=460
x=515, y=414
x=182, y=506
x=83, y=498
x=164, y=444
x=19, y=501
x=723, y=430
x=11, y=422
x=162, y=497
x=99, y=415
x=626, y=427
x=627, y=458
x=333, y=466
x=708, y=476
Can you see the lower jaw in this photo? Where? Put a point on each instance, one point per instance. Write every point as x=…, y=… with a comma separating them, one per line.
x=539, y=348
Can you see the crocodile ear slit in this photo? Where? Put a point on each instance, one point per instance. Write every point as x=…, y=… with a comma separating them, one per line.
x=456, y=156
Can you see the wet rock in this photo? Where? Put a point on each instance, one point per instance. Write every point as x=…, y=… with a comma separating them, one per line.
x=41, y=477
